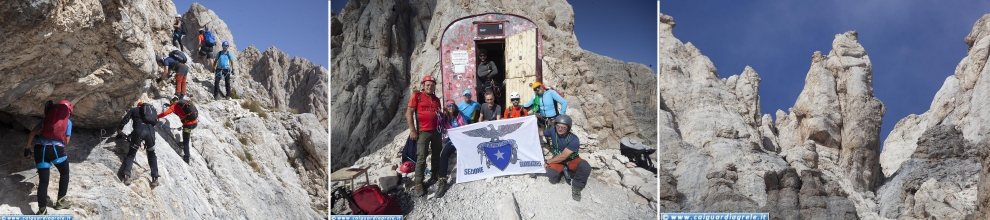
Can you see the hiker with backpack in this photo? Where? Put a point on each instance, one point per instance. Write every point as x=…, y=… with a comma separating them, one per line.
x=490, y=111
x=469, y=108
x=143, y=118
x=515, y=110
x=205, y=43
x=547, y=101
x=187, y=113
x=426, y=106
x=178, y=29
x=223, y=66
x=452, y=118
x=175, y=63
x=566, y=161
x=49, y=150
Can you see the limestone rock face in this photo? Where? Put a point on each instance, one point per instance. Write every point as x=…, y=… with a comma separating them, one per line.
x=96, y=54
x=801, y=166
x=935, y=162
x=100, y=55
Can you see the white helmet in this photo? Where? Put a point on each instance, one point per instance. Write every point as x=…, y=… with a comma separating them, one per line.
x=178, y=15
x=514, y=95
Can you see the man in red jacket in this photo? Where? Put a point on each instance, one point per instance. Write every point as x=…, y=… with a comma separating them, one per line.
x=187, y=114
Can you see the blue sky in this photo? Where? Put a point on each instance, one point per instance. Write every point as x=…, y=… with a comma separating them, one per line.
x=625, y=31
x=298, y=28
x=913, y=45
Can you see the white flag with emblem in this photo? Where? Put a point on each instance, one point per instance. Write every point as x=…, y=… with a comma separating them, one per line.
x=497, y=148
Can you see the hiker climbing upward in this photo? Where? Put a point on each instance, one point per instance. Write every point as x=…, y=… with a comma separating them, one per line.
x=205, y=43
x=515, y=110
x=469, y=108
x=565, y=160
x=187, y=113
x=451, y=119
x=175, y=62
x=143, y=118
x=547, y=102
x=223, y=66
x=49, y=149
x=427, y=132
x=178, y=29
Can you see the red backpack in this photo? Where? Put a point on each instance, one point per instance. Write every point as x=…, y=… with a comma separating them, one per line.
x=372, y=201
x=56, y=121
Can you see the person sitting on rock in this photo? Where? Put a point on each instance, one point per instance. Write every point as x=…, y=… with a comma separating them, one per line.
x=178, y=29
x=187, y=113
x=452, y=119
x=170, y=64
x=469, y=108
x=49, y=150
x=223, y=66
x=143, y=118
x=490, y=111
x=427, y=132
x=565, y=160
x=515, y=110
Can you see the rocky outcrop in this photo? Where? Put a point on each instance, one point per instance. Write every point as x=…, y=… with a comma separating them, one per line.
x=371, y=68
x=804, y=165
x=935, y=162
x=294, y=85
x=96, y=54
x=245, y=163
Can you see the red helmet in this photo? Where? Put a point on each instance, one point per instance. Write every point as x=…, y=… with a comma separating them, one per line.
x=407, y=167
x=427, y=78
x=67, y=104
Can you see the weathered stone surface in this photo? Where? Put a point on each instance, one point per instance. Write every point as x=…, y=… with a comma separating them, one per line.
x=100, y=55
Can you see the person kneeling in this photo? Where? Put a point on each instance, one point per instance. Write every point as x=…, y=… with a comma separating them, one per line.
x=566, y=161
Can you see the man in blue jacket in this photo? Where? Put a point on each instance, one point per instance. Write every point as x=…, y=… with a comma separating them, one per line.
x=547, y=104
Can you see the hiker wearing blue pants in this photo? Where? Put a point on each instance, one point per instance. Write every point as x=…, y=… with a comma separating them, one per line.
x=223, y=65
x=564, y=146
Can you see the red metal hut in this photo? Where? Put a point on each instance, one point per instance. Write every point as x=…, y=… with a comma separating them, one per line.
x=513, y=42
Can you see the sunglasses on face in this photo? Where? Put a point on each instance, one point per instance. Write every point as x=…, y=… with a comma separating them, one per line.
x=515, y=100
x=562, y=127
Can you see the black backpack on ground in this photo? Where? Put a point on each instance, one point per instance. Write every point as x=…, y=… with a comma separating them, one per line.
x=148, y=114
x=178, y=56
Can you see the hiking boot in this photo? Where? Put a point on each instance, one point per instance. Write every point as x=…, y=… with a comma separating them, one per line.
x=127, y=180
x=154, y=182
x=186, y=159
x=442, y=188
x=418, y=190
x=42, y=212
x=576, y=194
x=62, y=204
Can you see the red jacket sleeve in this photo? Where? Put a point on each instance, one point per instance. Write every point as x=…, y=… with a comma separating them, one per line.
x=167, y=111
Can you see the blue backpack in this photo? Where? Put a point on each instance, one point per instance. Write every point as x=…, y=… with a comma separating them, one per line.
x=208, y=39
